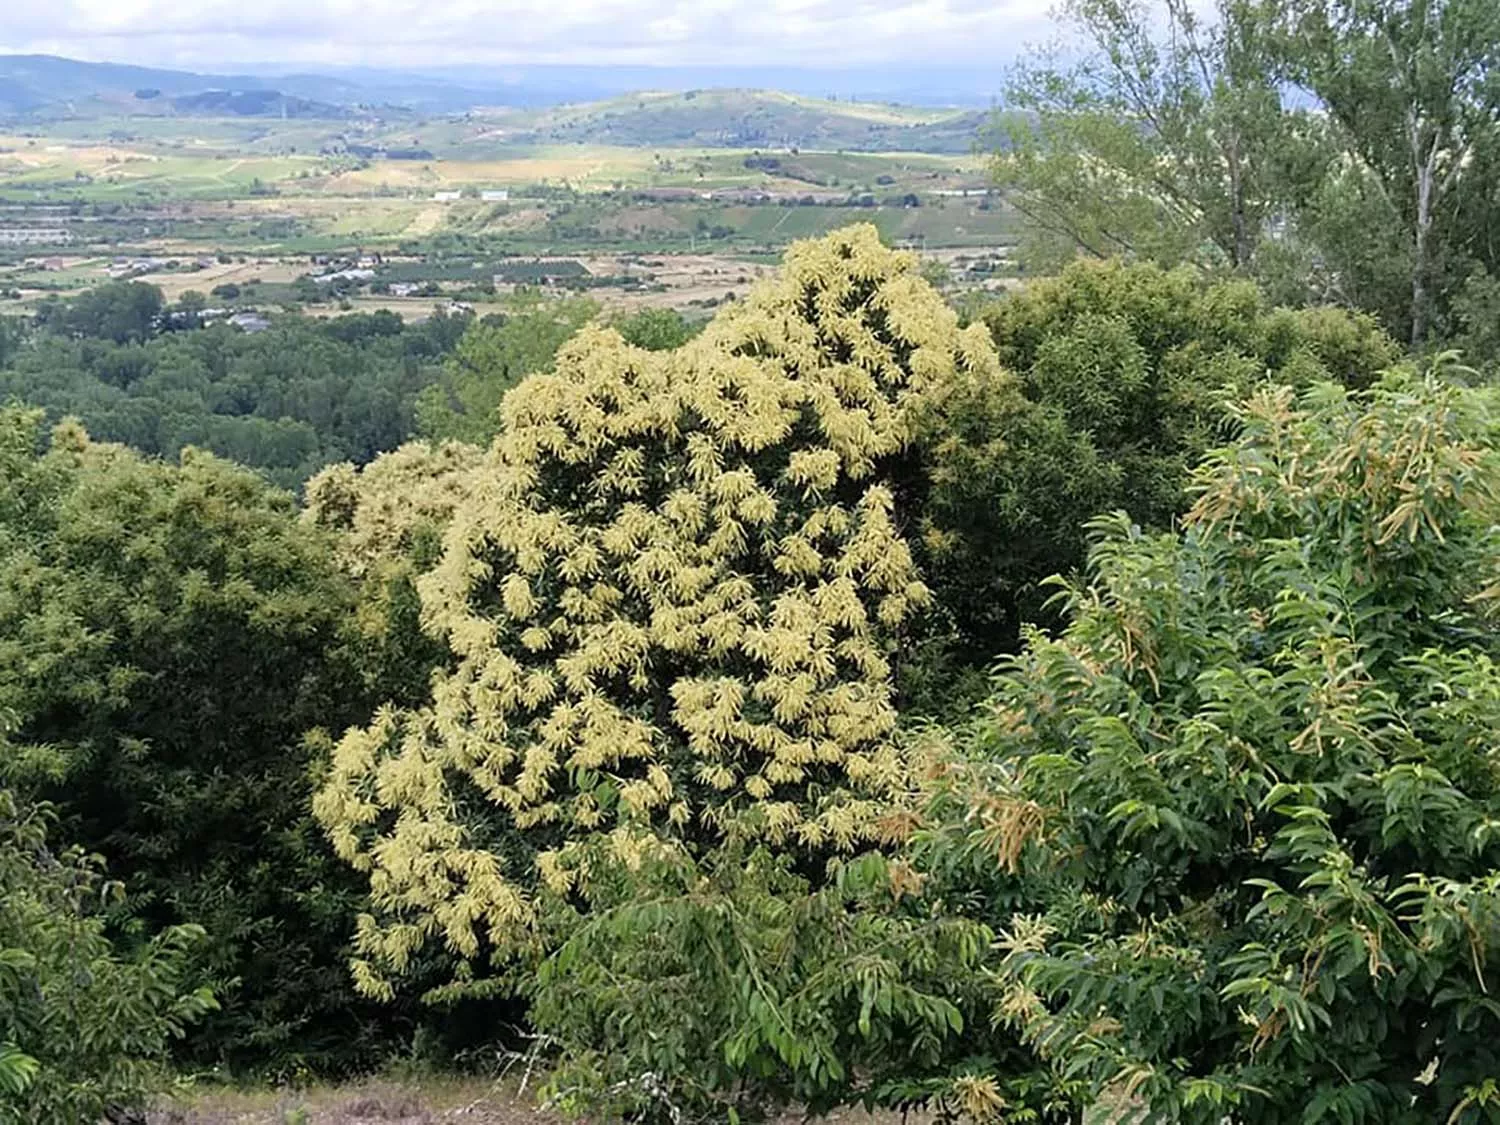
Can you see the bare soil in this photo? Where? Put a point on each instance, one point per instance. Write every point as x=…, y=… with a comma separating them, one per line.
x=375, y=1102
x=390, y=1102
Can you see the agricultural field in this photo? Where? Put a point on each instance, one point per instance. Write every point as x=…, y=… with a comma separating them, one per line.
x=195, y=203
x=49, y=170
x=57, y=168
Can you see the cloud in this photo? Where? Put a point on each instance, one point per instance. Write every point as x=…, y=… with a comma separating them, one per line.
x=806, y=33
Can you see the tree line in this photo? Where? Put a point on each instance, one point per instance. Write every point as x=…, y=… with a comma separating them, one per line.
x=305, y=393
x=1335, y=150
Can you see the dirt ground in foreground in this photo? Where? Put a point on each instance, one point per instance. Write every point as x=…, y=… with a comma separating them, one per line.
x=386, y=1102
x=376, y=1102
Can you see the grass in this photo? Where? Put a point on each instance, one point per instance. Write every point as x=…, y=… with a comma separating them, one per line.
x=386, y=1101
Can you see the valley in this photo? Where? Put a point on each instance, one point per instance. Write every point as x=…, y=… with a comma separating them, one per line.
x=86, y=197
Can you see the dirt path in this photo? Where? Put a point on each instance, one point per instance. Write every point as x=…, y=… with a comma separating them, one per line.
x=427, y=220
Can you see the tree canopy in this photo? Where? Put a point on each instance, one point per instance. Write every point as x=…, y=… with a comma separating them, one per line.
x=650, y=705
x=1116, y=381
x=168, y=634
x=1411, y=93
x=1335, y=150
x=1166, y=141
x=497, y=354
x=669, y=592
x=286, y=401
x=1244, y=803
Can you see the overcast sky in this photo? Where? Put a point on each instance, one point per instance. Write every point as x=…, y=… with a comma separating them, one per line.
x=815, y=33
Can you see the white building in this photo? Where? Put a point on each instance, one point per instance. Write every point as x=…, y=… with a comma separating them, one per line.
x=498, y=195
x=33, y=236
x=251, y=322
x=447, y=196
x=345, y=275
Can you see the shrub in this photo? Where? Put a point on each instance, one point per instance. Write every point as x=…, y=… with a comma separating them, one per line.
x=168, y=633
x=1242, y=812
x=83, y=1027
x=729, y=988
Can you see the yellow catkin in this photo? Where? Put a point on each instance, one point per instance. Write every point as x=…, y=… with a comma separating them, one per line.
x=671, y=587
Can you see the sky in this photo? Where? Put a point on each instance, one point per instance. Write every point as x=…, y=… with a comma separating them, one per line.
x=833, y=34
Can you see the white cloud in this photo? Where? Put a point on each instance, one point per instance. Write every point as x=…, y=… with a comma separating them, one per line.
x=810, y=33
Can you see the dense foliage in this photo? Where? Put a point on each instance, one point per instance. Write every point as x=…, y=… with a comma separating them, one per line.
x=1121, y=375
x=83, y=1027
x=670, y=592
x=1337, y=150
x=289, y=400
x=729, y=987
x=634, y=703
x=122, y=312
x=300, y=395
x=491, y=359
x=1165, y=138
x=1414, y=108
x=168, y=633
x=1245, y=805
x=657, y=330
x=389, y=519
x=505, y=347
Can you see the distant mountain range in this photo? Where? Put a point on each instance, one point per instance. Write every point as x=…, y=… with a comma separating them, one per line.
x=45, y=85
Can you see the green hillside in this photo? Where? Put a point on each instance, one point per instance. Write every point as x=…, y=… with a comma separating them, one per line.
x=745, y=119
x=108, y=101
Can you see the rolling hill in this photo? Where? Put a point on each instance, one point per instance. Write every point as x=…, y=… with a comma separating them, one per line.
x=39, y=88
x=46, y=84
x=741, y=119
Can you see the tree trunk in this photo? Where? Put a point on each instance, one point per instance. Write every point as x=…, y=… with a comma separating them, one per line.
x=1426, y=177
x=1419, y=265
x=1238, y=222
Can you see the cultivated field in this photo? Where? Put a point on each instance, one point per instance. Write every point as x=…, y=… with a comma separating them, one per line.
x=270, y=195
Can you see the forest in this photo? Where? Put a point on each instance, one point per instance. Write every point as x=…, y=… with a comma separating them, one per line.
x=1076, y=705
x=300, y=395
